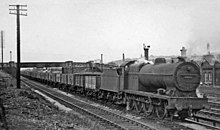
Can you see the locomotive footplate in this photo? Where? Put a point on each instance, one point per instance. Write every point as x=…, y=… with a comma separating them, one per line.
x=178, y=103
x=181, y=103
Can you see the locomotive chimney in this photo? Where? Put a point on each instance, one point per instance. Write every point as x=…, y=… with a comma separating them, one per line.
x=101, y=58
x=208, y=49
x=102, y=66
x=123, y=57
x=183, y=52
x=146, y=51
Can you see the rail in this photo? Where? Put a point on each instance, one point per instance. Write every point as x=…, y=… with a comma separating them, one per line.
x=196, y=119
x=121, y=120
x=214, y=122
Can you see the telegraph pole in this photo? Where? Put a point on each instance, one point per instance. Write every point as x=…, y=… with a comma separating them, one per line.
x=2, y=44
x=10, y=55
x=102, y=62
x=17, y=10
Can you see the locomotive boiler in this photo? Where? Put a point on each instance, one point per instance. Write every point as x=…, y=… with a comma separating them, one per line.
x=176, y=79
x=167, y=88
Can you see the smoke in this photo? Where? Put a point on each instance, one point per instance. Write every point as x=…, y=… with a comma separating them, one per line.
x=205, y=28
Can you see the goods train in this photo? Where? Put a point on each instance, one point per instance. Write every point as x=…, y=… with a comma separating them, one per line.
x=166, y=89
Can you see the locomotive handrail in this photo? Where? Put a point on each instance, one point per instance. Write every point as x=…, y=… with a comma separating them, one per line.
x=188, y=74
x=157, y=95
x=160, y=74
x=146, y=93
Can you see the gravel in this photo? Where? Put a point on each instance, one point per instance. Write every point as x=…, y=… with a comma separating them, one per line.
x=26, y=110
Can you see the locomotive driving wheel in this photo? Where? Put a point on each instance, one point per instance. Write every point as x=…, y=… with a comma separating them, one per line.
x=130, y=103
x=161, y=110
x=138, y=106
x=148, y=108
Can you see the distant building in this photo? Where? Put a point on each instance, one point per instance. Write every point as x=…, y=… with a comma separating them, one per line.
x=210, y=68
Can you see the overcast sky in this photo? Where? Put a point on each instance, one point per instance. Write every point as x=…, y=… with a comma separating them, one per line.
x=82, y=30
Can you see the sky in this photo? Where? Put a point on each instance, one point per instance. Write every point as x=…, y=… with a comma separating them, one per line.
x=82, y=30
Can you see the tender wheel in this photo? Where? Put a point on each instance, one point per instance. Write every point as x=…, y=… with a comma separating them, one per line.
x=148, y=108
x=161, y=111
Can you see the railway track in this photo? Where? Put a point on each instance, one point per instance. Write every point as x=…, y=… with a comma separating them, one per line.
x=203, y=122
x=213, y=95
x=209, y=117
x=109, y=119
x=214, y=104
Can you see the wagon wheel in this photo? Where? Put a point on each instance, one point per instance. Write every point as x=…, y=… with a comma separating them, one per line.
x=87, y=93
x=111, y=98
x=114, y=98
x=161, y=111
x=100, y=95
x=148, y=108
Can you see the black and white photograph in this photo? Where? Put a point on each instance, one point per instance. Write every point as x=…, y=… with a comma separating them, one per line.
x=110, y=65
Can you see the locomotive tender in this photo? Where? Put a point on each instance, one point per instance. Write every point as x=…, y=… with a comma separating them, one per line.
x=167, y=89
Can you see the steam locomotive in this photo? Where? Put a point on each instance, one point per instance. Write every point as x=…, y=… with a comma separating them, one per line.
x=166, y=89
